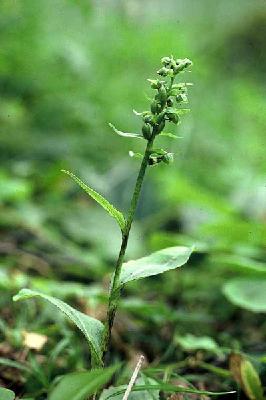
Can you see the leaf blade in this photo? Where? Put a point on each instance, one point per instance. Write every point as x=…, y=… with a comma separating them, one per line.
x=91, y=328
x=247, y=293
x=156, y=263
x=251, y=381
x=126, y=134
x=116, y=214
x=80, y=385
x=6, y=394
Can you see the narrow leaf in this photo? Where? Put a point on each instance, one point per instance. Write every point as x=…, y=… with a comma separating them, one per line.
x=100, y=200
x=90, y=327
x=81, y=385
x=170, y=135
x=6, y=394
x=126, y=134
x=156, y=263
x=166, y=387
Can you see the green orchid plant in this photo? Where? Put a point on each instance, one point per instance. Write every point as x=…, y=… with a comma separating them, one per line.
x=167, y=106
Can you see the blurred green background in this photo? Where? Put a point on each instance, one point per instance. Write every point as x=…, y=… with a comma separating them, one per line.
x=67, y=68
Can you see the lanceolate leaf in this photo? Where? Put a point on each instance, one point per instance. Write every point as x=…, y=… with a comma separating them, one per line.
x=90, y=327
x=170, y=135
x=166, y=387
x=6, y=394
x=100, y=200
x=81, y=385
x=126, y=134
x=156, y=263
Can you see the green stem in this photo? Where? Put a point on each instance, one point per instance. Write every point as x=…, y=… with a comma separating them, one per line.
x=115, y=289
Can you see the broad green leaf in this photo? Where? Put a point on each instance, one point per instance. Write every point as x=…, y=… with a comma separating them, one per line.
x=251, y=381
x=191, y=343
x=126, y=134
x=6, y=394
x=154, y=264
x=100, y=200
x=247, y=293
x=81, y=385
x=90, y=327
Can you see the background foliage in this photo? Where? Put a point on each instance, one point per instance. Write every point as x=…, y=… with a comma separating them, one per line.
x=67, y=68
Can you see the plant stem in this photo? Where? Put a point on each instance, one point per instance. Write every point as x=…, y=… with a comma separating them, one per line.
x=115, y=289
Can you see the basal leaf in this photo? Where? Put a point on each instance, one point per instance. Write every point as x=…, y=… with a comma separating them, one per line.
x=81, y=385
x=165, y=387
x=247, y=293
x=117, y=393
x=90, y=327
x=251, y=381
x=126, y=134
x=156, y=263
x=100, y=200
x=6, y=394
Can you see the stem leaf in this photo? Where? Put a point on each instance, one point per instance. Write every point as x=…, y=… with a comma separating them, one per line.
x=126, y=134
x=91, y=328
x=117, y=215
x=170, y=135
x=156, y=263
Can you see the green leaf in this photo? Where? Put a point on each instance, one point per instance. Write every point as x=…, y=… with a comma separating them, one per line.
x=117, y=393
x=100, y=200
x=170, y=135
x=240, y=264
x=251, y=381
x=166, y=387
x=126, y=134
x=247, y=293
x=191, y=343
x=90, y=327
x=154, y=264
x=81, y=385
x=6, y=394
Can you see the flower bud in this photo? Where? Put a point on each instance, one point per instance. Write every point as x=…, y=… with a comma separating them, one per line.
x=155, y=107
x=155, y=83
x=146, y=131
x=166, y=61
x=163, y=71
x=182, y=64
x=162, y=94
x=168, y=158
x=174, y=118
x=147, y=118
x=170, y=102
x=181, y=98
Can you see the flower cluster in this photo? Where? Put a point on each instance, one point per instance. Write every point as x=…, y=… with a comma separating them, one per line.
x=163, y=106
x=166, y=106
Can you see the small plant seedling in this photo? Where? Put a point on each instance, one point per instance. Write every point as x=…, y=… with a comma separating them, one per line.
x=167, y=106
